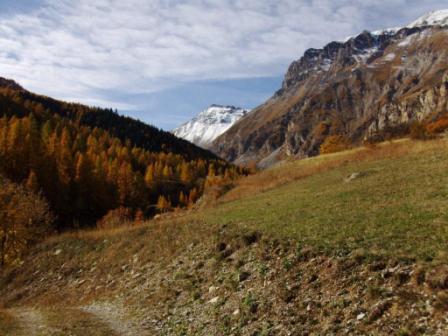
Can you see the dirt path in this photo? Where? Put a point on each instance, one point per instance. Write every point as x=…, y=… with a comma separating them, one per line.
x=59, y=322
x=116, y=319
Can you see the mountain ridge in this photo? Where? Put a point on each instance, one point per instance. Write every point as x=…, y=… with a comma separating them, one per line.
x=123, y=127
x=372, y=84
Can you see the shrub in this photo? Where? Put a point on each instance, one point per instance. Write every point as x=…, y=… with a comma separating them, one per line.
x=215, y=187
x=334, y=143
x=321, y=129
x=115, y=218
x=437, y=126
x=370, y=143
x=250, y=303
x=418, y=131
x=25, y=218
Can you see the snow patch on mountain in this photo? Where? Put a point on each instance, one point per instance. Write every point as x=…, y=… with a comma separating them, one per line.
x=210, y=124
x=390, y=57
x=388, y=31
x=364, y=55
x=435, y=18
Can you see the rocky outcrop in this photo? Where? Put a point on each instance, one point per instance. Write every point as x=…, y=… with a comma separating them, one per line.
x=367, y=86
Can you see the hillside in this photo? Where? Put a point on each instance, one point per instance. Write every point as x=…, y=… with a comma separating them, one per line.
x=13, y=99
x=93, y=164
x=369, y=88
x=352, y=243
x=203, y=129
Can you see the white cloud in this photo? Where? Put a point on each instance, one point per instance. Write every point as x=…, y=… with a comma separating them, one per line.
x=77, y=49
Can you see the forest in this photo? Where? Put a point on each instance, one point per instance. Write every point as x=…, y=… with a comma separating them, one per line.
x=90, y=162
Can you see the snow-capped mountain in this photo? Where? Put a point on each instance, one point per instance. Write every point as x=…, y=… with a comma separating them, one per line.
x=209, y=124
x=366, y=87
x=435, y=18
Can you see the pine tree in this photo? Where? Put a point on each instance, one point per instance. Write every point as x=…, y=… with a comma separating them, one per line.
x=149, y=176
x=182, y=199
x=32, y=183
x=166, y=173
x=124, y=183
x=65, y=158
x=211, y=170
x=163, y=204
x=192, y=197
x=185, y=175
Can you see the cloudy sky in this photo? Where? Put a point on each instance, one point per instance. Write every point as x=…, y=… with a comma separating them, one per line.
x=162, y=61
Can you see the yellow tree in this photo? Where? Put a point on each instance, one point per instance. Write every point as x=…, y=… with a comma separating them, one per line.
x=149, y=176
x=65, y=159
x=182, y=199
x=185, y=175
x=192, y=197
x=163, y=204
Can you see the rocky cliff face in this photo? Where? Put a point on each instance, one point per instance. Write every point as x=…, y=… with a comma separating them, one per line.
x=369, y=85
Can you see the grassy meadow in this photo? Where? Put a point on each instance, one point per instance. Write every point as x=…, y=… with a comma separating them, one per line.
x=395, y=205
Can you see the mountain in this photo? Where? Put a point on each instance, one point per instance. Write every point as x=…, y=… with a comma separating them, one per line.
x=434, y=18
x=125, y=128
x=209, y=124
x=371, y=86
x=89, y=163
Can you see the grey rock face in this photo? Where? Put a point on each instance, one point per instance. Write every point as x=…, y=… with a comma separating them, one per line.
x=370, y=85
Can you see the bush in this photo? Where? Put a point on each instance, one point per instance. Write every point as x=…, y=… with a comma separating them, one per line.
x=418, y=131
x=115, y=218
x=25, y=219
x=215, y=187
x=334, y=143
x=437, y=126
x=321, y=129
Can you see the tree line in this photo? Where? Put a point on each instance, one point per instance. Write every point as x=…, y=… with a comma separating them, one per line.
x=85, y=172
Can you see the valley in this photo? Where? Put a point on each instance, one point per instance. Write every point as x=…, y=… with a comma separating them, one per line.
x=267, y=256
x=322, y=211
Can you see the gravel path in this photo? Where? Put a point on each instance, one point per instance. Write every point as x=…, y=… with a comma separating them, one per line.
x=63, y=322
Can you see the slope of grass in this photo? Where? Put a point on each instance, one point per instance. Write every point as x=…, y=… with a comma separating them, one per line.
x=205, y=272
x=398, y=204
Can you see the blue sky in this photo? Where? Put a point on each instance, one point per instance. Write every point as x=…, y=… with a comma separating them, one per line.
x=162, y=61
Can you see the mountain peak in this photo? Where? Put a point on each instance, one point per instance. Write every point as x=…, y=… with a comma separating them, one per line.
x=434, y=18
x=360, y=49
x=223, y=106
x=360, y=89
x=209, y=124
x=223, y=110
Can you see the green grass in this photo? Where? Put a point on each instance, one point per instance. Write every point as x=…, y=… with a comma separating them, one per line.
x=400, y=206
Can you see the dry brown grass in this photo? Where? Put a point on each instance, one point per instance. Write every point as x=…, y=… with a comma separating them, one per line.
x=7, y=323
x=293, y=171
x=158, y=239
x=111, y=250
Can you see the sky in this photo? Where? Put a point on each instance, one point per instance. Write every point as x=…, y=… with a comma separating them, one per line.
x=163, y=61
